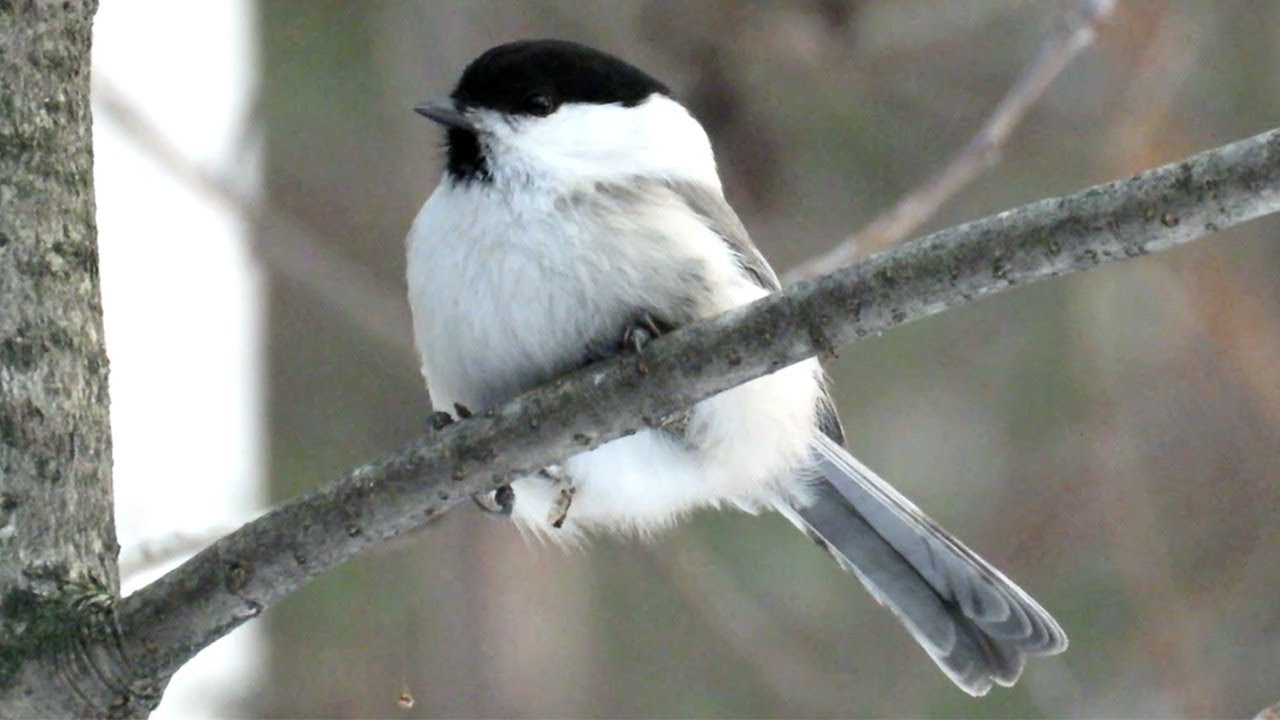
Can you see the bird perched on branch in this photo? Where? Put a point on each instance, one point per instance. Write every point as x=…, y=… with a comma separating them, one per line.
x=581, y=215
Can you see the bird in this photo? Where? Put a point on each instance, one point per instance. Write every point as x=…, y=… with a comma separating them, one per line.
x=579, y=216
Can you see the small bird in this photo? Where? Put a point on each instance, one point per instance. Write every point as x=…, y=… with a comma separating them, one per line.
x=579, y=216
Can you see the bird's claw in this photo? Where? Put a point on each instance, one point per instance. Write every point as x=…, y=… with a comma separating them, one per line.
x=560, y=508
x=559, y=511
x=644, y=329
x=499, y=502
x=440, y=419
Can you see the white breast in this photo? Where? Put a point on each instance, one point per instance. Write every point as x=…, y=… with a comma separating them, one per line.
x=495, y=302
x=507, y=295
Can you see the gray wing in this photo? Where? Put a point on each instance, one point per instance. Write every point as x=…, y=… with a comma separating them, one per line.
x=721, y=218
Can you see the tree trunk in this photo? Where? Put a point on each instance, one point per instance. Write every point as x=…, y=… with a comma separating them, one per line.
x=58, y=573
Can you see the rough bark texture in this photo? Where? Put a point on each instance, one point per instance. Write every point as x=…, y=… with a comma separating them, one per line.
x=57, y=538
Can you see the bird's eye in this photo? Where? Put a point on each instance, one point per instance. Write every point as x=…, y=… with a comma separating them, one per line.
x=539, y=104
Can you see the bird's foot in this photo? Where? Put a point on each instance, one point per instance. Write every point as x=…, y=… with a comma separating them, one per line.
x=644, y=329
x=440, y=419
x=497, y=502
x=564, y=498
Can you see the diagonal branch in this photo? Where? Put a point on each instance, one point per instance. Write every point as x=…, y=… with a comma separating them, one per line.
x=165, y=624
x=1072, y=34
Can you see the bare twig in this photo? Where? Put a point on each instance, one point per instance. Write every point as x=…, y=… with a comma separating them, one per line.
x=162, y=626
x=293, y=251
x=1070, y=37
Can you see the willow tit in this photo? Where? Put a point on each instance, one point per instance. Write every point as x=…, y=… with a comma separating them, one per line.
x=580, y=213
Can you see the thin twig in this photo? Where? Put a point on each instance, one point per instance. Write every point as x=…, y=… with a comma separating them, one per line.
x=1072, y=35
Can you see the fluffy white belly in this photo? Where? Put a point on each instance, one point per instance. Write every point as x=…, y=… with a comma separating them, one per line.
x=533, y=301
x=743, y=448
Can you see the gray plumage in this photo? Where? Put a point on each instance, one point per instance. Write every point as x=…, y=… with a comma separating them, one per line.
x=723, y=221
x=972, y=620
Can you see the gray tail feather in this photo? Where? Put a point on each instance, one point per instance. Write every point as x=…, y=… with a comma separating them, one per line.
x=972, y=620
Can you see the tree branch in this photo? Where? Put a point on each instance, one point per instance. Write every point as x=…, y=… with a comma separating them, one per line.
x=1070, y=37
x=165, y=624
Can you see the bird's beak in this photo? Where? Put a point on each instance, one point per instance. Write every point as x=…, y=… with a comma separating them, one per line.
x=444, y=111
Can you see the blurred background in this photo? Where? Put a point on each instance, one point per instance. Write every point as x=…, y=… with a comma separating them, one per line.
x=1110, y=439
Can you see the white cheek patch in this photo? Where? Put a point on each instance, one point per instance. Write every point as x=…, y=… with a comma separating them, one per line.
x=584, y=142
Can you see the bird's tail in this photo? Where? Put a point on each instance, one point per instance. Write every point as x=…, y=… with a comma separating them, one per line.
x=971, y=619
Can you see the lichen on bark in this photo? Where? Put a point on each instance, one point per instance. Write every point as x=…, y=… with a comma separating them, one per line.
x=57, y=537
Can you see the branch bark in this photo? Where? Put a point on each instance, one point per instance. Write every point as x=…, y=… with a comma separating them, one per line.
x=165, y=624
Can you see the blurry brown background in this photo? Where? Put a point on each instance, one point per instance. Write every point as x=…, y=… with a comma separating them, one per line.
x=1108, y=439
